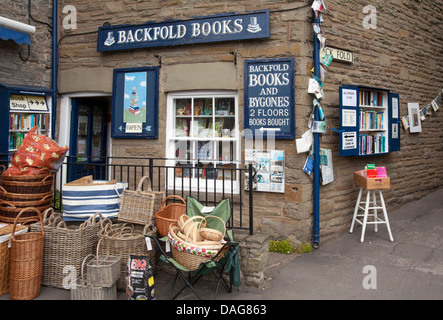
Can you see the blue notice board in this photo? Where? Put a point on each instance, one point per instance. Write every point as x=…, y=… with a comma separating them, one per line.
x=269, y=98
x=135, y=103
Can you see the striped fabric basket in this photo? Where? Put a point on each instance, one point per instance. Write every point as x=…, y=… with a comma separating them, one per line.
x=82, y=202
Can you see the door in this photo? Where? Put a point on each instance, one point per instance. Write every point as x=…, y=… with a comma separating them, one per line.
x=88, y=138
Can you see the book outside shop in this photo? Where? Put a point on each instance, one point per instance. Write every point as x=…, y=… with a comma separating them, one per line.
x=192, y=134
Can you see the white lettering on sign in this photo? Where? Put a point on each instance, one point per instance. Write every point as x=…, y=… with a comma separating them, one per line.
x=349, y=98
x=349, y=140
x=341, y=55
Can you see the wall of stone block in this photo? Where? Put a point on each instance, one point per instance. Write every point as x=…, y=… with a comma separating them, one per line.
x=403, y=53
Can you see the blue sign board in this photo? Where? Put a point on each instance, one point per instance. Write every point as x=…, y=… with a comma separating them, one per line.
x=224, y=27
x=269, y=98
x=135, y=103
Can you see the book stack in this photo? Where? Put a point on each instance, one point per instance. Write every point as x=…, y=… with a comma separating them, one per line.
x=371, y=120
x=371, y=98
x=372, y=144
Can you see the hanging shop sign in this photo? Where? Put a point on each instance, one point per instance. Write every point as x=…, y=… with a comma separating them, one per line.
x=225, y=27
x=269, y=98
x=135, y=103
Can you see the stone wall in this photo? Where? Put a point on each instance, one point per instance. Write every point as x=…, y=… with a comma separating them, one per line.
x=403, y=53
x=17, y=66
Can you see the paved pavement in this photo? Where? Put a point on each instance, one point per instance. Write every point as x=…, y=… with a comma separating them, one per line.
x=410, y=267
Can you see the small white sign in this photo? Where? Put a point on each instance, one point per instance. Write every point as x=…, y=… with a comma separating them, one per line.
x=349, y=118
x=349, y=140
x=341, y=55
x=134, y=127
x=349, y=98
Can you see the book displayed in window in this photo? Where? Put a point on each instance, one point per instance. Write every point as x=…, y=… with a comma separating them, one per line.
x=369, y=121
x=204, y=135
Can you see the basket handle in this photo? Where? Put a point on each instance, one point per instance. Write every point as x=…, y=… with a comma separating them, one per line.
x=92, y=220
x=150, y=230
x=83, y=265
x=7, y=203
x=173, y=196
x=107, y=251
x=201, y=224
x=49, y=178
x=224, y=224
x=24, y=210
x=3, y=190
x=140, y=184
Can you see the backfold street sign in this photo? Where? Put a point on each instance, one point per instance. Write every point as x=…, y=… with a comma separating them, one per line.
x=225, y=27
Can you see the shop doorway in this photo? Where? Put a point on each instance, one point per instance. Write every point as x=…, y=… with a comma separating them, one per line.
x=88, y=138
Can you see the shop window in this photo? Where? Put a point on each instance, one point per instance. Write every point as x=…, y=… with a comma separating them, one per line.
x=203, y=140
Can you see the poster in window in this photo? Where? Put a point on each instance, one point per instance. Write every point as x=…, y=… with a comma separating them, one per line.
x=135, y=103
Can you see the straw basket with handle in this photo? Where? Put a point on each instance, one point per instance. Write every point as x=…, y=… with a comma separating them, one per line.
x=66, y=244
x=190, y=227
x=83, y=291
x=191, y=254
x=169, y=214
x=123, y=239
x=43, y=186
x=211, y=233
x=140, y=206
x=26, y=261
x=5, y=236
x=104, y=270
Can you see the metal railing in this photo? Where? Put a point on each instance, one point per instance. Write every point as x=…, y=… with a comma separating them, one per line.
x=209, y=183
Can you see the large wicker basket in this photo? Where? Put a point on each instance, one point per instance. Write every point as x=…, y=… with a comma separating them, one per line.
x=38, y=177
x=26, y=262
x=66, y=244
x=4, y=255
x=124, y=239
x=169, y=214
x=140, y=206
x=43, y=186
x=9, y=211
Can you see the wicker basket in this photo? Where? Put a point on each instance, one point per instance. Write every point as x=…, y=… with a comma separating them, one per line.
x=169, y=214
x=9, y=212
x=124, y=239
x=140, y=206
x=38, y=177
x=191, y=255
x=4, y=256
x=25, y=197
x=190, y=227
x=83, y=291
x=66, y=244
x=103, y=271
x=26, y=262
x=213, y=234
x=43, y=186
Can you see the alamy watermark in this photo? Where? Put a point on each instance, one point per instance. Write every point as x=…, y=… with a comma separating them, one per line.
x=370, y=21
x=370, y=281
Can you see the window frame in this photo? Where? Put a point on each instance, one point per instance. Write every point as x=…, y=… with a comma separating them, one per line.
x=210, y=184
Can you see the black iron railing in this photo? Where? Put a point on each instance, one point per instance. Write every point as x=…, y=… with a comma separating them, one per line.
x=209, y=183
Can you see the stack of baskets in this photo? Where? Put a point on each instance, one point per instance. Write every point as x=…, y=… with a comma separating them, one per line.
x=24, y=191
x=193, y=242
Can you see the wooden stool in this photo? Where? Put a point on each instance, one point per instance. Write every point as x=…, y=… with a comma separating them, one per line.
x=372, y=187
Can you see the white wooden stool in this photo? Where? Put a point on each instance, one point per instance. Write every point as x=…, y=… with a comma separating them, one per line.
x=372, y=187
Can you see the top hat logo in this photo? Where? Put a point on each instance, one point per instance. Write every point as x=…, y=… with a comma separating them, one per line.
x=110, y=39
x=253, y=26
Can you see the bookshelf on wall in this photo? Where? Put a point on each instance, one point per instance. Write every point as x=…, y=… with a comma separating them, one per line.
x=369, y=121
x=22, y=108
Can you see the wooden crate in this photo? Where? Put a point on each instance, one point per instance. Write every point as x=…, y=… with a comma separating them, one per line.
x=361, y=178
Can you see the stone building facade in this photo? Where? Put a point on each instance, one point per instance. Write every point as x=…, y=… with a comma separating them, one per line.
x=20, y=66
x=402, y=52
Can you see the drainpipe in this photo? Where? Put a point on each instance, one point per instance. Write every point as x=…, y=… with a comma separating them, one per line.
x=316, y=227
x=54, y=65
